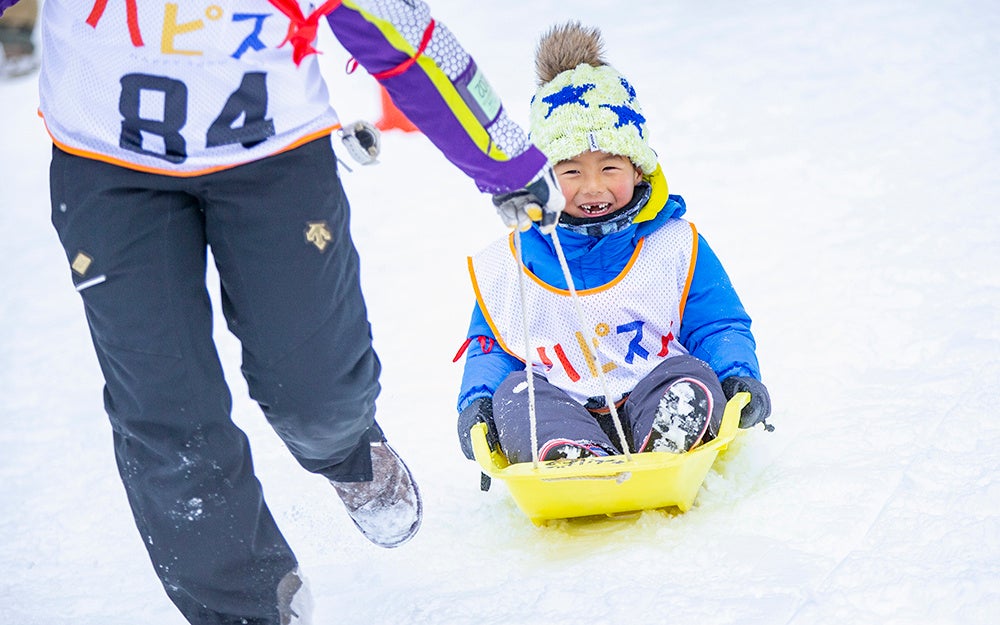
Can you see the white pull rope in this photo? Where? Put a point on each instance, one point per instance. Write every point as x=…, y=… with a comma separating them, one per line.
x=581, y=321
x=527, y=351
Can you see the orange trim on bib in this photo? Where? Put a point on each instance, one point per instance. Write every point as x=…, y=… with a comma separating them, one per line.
x=690, y=276
x=545, y=285
x=486, y=312
x=110, y=160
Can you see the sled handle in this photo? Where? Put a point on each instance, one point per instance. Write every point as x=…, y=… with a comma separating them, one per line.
x=492, y=461
x=731, y=417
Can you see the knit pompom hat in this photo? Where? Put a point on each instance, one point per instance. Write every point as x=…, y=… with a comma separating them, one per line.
x=582, y=103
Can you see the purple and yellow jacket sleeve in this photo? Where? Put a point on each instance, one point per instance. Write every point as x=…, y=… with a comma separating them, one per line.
x=6, y=4
x=438, y=86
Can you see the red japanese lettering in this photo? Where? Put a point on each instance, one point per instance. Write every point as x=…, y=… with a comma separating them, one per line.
x=131, y=18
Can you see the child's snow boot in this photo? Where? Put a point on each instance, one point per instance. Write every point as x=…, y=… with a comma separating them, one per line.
x=570, y=450
x=681, y=417
x=388, y=509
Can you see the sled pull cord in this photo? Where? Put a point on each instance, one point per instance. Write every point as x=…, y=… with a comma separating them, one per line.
x=533, y=423
x=581, y=321
x=583, y=325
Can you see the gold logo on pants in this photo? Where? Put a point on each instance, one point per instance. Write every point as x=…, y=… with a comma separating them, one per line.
x=318, y=234
x=81, y=263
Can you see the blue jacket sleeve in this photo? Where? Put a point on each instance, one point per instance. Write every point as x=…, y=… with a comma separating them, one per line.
x=486, y=364
x=715, y=326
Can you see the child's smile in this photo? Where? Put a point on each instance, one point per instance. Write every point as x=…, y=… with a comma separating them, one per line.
x=596, y=210
x=596, y=184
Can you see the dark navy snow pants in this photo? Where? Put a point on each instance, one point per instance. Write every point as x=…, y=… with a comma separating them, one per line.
x=278, y=231
x=559, y=418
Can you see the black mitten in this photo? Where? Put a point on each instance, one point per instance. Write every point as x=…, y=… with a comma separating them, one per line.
x=759, y=407
x=480, y=410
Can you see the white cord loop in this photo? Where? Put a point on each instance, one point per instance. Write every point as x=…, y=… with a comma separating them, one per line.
x=527, y=351
x=581, y=321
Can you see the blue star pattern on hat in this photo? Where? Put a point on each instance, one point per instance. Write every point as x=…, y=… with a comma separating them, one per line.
x=590, y=108
x=627, y=115
x=629, y=89
x=570, y=94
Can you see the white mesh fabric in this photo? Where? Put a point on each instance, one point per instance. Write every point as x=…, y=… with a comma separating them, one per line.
x=646, y=296
x=81, y=83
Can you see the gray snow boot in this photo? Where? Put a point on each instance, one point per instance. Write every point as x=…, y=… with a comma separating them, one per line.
x=294, y=600
x=681, y=417
x=388, y=509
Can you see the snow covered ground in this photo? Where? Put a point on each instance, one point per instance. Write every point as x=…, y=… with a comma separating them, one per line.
x=842, y=158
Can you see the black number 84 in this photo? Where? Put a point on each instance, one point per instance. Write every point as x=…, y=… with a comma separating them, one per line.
x=248, y=102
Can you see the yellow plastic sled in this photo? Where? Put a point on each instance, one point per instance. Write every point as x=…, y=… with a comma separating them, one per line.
x=562, y=489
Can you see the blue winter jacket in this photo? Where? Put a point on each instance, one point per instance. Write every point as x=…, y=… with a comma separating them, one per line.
x=715, y=327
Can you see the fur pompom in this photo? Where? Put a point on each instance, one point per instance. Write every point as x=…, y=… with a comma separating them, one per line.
x=566, y=46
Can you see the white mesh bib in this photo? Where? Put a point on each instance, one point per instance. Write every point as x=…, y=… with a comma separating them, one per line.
x=179, y=88
x=634, y=319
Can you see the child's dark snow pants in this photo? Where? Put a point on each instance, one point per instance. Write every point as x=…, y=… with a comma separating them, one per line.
x=278, y=230
x=559, y=418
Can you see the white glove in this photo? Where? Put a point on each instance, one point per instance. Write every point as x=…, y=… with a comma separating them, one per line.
x=541, y=200
x=363, y=141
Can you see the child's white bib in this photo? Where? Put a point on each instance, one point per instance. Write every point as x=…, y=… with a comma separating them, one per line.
x=634, y=319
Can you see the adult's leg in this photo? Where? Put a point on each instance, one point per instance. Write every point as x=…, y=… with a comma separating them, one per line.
x=136, y=246
x=279, y=232
x=560, y=421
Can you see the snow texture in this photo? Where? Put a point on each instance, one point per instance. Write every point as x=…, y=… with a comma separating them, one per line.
x=840, y=157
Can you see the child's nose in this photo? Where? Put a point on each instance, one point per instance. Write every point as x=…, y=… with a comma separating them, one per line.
x=590, y=184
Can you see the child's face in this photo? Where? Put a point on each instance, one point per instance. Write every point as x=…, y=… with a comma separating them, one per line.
x=596, y=183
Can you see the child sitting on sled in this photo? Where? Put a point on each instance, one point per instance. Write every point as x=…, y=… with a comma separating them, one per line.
x=669, y=332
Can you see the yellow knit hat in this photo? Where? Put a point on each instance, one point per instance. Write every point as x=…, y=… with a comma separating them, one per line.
x=588, y=106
